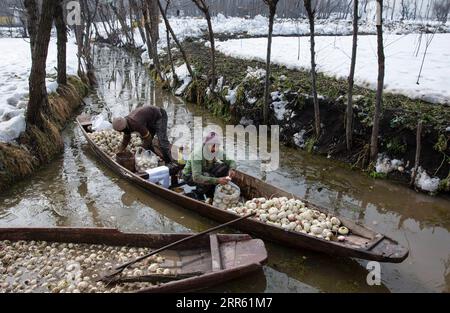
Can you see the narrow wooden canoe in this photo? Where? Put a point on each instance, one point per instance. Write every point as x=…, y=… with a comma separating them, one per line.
x=362, y=243
x=217, y=258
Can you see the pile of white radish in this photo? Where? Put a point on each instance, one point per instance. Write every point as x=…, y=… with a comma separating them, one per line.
x=293, y=215
x=109, y=141
x=226, y=196
x=144, y=162
x=39, y=266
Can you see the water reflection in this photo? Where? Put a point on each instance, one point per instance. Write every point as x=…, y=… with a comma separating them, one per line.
x=78, y=190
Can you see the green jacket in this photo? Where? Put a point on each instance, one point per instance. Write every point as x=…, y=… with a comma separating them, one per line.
x=199, y=166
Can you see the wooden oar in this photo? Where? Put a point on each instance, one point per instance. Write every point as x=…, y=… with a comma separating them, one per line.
x=154, y=278
x=119, y=269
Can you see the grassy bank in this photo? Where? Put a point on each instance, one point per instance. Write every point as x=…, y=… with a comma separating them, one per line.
x=397, y=126
x=35, y=146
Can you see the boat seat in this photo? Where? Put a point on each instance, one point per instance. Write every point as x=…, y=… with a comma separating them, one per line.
x=216, y=259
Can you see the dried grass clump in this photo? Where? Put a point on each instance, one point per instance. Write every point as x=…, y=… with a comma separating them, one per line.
x=39, y=145
x=15, y=162
x=45, y=144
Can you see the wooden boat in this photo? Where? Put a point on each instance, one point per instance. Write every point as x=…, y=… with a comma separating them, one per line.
x=361, y=243
x=215, y=258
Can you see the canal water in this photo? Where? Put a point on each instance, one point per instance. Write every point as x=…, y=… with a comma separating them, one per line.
x=78, y=190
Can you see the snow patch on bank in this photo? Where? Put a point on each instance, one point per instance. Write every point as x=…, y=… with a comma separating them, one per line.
x=183, y=76
x=278, y=104
x=15, y=66
x=425, y=182
x=333, y=59
x=299, y=139
x=12, y=128
x=385, y=165
x=255, y=73
x=231, y=96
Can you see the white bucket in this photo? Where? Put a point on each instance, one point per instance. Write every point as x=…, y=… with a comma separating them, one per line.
x=159, y=175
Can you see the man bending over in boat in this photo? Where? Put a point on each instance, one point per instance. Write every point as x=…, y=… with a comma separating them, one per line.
x=207, y=168
x=147, y=121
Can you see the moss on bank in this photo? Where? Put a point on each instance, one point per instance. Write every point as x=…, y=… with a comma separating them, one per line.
x=36, y=147
x=407, y=111
x=397, y=126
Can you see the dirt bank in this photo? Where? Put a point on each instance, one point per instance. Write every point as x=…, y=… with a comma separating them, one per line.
x=36, y=147
x=240, y=98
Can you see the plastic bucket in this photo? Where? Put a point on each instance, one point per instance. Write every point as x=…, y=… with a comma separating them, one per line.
x=126, y=159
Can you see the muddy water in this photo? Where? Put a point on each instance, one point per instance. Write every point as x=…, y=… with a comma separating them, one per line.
x=78, y=190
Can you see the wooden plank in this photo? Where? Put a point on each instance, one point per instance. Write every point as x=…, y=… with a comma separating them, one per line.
x=216, y=259
x=371, y=245
x=228, y=252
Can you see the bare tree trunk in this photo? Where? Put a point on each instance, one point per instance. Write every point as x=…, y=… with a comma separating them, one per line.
x=123, y=24
x=169, y=50
x=61, y=30
x=137, y=12
x=202, y=6
x=153, y=22
x=418, y=149
x=420, y=9
x=154, y=19
x=349, y=117
x=38, y=101
x=180, y=47
x=380, y=84
x=272, y=10
x=79, y=40
x=213, y=51
x=393, y=10
x=83, y=33
x=415, y=9
x=105, y=21
x=311, y=13
x=19, y=7
x=147, y=29
x=32, y=20
x=152, y=38
x=130, y=12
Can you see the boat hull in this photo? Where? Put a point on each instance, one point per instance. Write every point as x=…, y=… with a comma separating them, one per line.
x=239, y=254
x=376, y=247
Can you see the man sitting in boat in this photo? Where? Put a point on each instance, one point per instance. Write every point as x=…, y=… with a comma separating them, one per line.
x=147, y=121
x=209, y=167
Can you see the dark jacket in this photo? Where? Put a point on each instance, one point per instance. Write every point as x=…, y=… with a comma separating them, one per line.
x=148, y=121
x=143, y=119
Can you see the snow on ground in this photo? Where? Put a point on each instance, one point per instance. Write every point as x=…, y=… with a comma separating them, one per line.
x=258, y=26
x=196, y=27
x=12, y=32
x=333, y=59
x=15, y=65
x=183, y=75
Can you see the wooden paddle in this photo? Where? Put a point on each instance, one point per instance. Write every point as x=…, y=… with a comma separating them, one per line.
x=119, y=269
x=155, y=278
